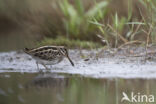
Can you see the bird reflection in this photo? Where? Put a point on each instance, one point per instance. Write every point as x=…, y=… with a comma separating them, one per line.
x=51, y=80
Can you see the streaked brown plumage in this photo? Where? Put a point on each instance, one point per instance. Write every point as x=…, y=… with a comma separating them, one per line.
x=48, y=55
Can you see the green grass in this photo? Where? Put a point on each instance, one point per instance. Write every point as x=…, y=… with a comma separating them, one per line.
x=76, y=18
x=69, y=43
x=80, y=21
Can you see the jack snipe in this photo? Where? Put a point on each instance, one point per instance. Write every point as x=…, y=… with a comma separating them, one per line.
x=48, y=55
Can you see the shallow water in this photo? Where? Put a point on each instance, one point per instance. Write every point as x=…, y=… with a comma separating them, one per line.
x=95, y=81
x=48, y=88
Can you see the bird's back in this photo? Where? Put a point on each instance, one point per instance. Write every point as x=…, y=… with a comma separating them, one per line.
x=48, y=53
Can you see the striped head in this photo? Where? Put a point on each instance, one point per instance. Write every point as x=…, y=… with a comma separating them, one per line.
x=64, y=52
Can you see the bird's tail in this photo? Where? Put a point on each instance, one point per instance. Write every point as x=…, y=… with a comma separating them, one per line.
x=26, y=50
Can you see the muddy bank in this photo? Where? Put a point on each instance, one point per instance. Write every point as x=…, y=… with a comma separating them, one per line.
x=108, y=63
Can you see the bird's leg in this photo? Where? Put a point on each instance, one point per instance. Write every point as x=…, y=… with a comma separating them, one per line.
x=45, y=66
x=37, y=65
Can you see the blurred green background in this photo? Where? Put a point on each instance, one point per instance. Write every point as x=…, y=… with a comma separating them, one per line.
x=76, y=23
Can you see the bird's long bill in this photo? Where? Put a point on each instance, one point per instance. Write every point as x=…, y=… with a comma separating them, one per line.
x=70, y=61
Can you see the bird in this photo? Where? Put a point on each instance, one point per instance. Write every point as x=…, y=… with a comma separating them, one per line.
x=48, y=55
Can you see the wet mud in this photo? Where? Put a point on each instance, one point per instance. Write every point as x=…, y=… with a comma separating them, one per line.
x=129, y=62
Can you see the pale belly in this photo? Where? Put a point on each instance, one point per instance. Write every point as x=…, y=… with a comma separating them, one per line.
x=52, y=62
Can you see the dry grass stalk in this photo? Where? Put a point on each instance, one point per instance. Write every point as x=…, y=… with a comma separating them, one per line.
x=147, y=40
x=120, y=36
x=129, y=43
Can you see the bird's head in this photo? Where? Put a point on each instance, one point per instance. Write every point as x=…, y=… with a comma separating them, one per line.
x=64, y=52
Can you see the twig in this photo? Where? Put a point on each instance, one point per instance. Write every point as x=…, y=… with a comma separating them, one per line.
x=121, y=37
x=136, y=29
x=147, y=41
x=128, y=43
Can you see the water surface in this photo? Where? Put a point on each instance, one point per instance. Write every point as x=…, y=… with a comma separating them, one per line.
x=55, y=88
